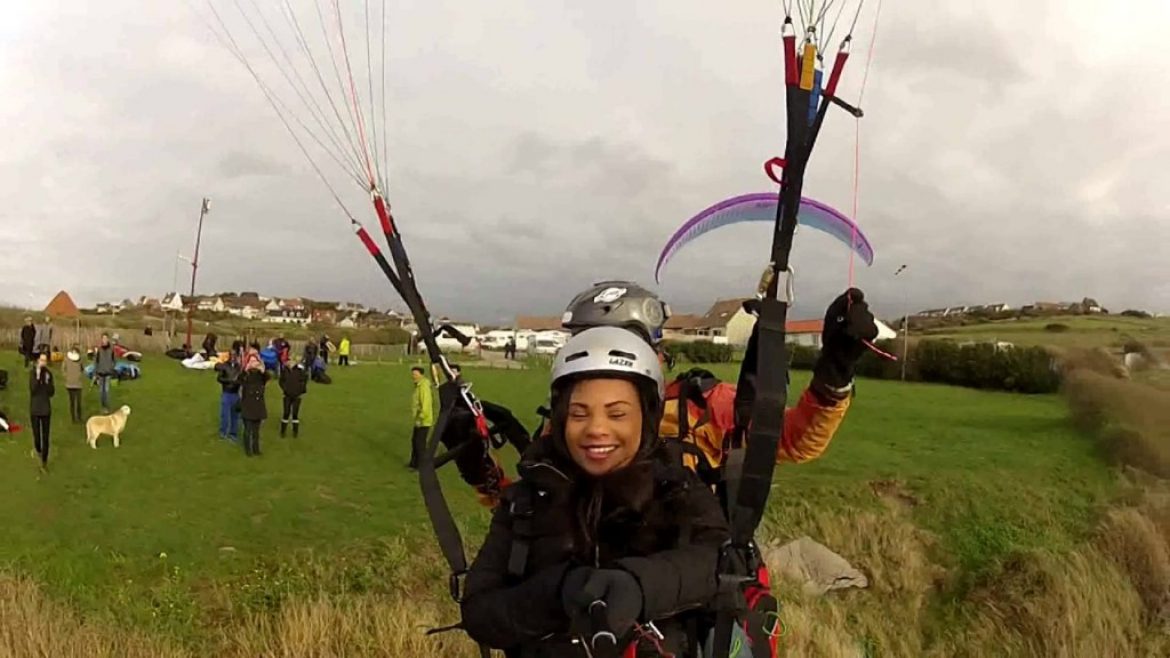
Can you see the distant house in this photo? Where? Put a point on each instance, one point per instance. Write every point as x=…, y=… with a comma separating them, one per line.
x=207, y=302
x=682, y=327
x=727, y=322
x=104, y=308
x=62, y=306
x=287, y=316
x=376, y=319
x=349, y=321
x=324, y=313
x=173, y=301
x=933, y=313
x=247, y=305
x=804, y=332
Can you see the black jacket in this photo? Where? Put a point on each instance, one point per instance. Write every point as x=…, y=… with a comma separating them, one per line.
x=40, y=392
x=657, y=521
x=252, y=405
x=294, y=381
x=228, y=376
x=104, y=361
x=28, y=335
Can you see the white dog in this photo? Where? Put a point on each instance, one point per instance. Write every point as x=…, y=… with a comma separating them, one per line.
x=112, y=425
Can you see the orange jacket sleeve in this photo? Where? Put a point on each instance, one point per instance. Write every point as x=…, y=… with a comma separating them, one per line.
x=809, y=426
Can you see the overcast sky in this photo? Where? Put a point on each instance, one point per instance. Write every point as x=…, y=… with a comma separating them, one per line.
x=1010, y=152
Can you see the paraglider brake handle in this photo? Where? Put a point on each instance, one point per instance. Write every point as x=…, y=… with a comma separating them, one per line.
x=855, y=111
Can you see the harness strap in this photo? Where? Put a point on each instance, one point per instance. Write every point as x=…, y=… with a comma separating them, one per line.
x=521, y=510
x=446, y=531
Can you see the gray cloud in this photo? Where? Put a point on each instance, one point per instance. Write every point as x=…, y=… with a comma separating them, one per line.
x=1009, y=153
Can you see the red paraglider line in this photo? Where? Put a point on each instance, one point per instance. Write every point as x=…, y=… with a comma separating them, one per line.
x=353, y=96
x=857, y=134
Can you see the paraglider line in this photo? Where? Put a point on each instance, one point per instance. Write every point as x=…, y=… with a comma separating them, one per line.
x=337, y=77
x=229, y=42
x=373, y=107
x=354, y=96
x=833, y=29
x=339, y=153
x=303, y=42
x=857, y=134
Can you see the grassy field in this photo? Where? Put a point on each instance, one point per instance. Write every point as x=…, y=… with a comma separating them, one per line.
x=1083, y=331
x=177, y=538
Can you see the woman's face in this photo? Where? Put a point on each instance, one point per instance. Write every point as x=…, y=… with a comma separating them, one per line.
x=604, y=426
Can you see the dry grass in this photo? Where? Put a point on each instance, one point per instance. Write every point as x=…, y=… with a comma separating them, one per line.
x=1137, y=539
x=361, y=627
x=881, y=620
x=1040, y=604
x=1130, y=418
x=33, y=625
x=1108, y=598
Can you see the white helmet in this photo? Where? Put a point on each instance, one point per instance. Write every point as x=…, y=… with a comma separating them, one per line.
x=609, y=350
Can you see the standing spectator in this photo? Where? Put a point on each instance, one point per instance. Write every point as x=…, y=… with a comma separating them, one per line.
x=74, y=376
x=309, y=357
x=40, y=407
x=253, y=408
x=28, y=342
x=43, y=338
x=343, y=352
x=105, y=366
x=209, y=342
x=294, y=381
x=326, y=347
x=228, y=375
x=422, y=411
x=283, y=352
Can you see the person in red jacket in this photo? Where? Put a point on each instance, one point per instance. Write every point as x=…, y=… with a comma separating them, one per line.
x=809, y=425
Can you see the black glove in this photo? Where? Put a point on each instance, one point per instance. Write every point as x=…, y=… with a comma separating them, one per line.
x=618, y=589
x=848, y=322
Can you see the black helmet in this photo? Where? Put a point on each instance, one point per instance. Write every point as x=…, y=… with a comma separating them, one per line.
x=618, y=304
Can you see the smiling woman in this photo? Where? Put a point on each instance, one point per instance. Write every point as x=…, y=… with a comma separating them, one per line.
x=606, y=540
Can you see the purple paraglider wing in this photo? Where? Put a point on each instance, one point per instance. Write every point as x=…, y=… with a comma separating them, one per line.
x=761, y=207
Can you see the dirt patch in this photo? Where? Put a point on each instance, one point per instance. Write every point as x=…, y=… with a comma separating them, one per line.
x=895, y=493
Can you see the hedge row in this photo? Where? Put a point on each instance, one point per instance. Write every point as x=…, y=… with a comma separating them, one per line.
x=700, y=351
x=978, y=365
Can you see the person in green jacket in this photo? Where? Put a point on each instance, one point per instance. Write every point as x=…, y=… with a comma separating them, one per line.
x=422, y=413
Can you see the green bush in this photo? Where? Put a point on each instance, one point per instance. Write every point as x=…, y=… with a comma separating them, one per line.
x=879, y=367
x=700, y=351
x=984, y=365
x=802, y=357
x=1056, y=327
